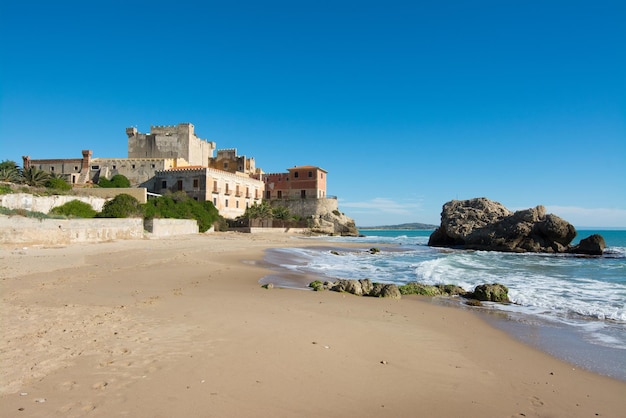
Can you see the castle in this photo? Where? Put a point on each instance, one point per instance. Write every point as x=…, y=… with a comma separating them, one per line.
x=172, y=158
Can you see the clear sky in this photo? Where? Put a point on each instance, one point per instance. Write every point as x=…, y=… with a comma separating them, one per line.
x=406, y=104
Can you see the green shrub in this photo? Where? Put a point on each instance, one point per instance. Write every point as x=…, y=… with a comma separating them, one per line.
x=58, y=183
x=121, y=206
x=117, y=181
x=75, y=209
x=22, y=212
x=5, y=189
x=180, y=206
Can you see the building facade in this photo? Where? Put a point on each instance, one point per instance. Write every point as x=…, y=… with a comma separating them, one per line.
x=303, y=182
x=88, y=170
x=230, y=193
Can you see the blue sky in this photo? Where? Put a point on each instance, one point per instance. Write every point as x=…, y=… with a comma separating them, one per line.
x=407, y=105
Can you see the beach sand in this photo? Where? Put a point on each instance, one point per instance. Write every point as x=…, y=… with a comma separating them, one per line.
x=181, y=327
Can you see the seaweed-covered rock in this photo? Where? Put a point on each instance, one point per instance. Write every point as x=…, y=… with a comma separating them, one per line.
x=384, y=290
x=493, y=292
x=415, y=288
x=362, y=287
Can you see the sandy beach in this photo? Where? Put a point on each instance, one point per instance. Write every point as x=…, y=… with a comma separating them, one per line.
x=181, y=327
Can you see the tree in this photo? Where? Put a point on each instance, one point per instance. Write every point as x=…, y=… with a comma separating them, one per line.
x=259, y=211
x=35, y=177
x=10, y=174
x=281, y=212
x=8, y=164
x=121, y=206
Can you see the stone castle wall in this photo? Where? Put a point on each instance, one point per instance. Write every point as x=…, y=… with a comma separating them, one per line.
x=307, y=208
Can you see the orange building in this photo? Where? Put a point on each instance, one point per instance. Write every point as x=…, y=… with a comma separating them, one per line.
x=304, y=182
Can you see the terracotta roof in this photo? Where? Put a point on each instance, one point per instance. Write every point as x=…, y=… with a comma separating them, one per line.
x=306, y=167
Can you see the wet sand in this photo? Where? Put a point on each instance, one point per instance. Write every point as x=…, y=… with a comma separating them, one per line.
x=182, y=327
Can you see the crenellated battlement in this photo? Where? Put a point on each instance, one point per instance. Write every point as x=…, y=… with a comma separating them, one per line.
x=171, y=129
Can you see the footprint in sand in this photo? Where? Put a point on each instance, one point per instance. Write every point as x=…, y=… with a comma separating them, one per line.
x=536, y=401
x=99, y=385
x=69, y=385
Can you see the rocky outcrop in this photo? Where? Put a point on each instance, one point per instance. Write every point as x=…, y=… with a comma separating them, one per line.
x=363, y=287
x=592, y=245
x=334, y=223
x=482, y=224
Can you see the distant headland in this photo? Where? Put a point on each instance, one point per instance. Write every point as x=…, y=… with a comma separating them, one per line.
x=414, y=225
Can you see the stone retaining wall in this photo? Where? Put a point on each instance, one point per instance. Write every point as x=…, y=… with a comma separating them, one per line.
x=22, y=230
x=168, y=227
x=31, y=231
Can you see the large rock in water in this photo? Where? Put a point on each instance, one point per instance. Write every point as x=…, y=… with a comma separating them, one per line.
x=592, y=245
x=482, y=224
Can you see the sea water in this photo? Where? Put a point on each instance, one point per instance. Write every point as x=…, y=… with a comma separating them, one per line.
x=573, y=307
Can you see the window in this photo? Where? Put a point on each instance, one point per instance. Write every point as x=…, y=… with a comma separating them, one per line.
x=215, y=201
x=268, y=194
x=153, y=165
x=226, y=189
x=179, y=185
x=132, y=166
x=51, y=168
x=114, y=167
x=164, y=184
x=215, y=186
x=196, y=183
x=226, y=203
x=303, y=193
x=237, y=204
x=310, y=174
x=280, y=194
x=95, y=167
x=295, y=175
x=225, y=165
x=75, y=168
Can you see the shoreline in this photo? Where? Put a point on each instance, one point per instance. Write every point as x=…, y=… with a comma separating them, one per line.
x=181, y=326
x=556, y=339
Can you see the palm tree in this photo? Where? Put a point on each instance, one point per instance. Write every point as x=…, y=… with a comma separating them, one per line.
x=281, y=212
x=35, y=177
x=10, y=174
